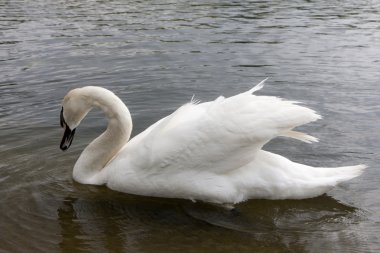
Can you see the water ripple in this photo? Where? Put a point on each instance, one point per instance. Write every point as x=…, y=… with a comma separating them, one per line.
x=155, y=55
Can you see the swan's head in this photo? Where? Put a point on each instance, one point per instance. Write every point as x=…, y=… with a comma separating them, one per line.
x=74, y=108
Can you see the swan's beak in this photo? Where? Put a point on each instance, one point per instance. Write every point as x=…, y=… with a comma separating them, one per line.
x=68, y=136
x=67, y=139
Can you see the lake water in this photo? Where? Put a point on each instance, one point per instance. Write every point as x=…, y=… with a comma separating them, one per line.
x=155, y=55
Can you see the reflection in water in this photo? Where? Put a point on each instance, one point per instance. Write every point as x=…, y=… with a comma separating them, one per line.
x=98, y=231
x=142, y=224
x=72, y=235
x=265, y=216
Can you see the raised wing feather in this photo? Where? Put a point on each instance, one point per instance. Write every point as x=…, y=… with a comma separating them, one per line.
x=218, y=136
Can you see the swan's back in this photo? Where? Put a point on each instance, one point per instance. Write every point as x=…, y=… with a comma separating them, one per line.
x=218, y=136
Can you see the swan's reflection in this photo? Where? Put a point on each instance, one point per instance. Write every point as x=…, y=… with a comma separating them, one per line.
x=70, y=228
x=86, y=228
x=120, y=223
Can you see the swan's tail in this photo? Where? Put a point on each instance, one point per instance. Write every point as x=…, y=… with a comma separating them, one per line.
x=341, y=174
x=271, y=176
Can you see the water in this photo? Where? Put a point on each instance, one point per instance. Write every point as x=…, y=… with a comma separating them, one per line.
x=155, y=55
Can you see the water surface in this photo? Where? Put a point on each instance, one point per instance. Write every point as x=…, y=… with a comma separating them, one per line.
x=155, y=55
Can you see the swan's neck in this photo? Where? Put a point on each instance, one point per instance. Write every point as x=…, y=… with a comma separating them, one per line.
x=88, y=168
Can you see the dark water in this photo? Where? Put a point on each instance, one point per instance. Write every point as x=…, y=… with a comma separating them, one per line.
x=155, y=55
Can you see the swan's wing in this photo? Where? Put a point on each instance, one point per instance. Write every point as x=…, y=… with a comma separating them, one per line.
x=217, y=136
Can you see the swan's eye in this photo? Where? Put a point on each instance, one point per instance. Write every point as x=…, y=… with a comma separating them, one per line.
x=62, y=120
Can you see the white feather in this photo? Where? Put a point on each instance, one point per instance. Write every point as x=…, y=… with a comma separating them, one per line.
x=259, y=86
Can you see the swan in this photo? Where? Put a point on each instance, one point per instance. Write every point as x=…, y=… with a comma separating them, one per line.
x=211, y=151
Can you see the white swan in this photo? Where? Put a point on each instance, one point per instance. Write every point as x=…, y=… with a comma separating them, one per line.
x=207, y=151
